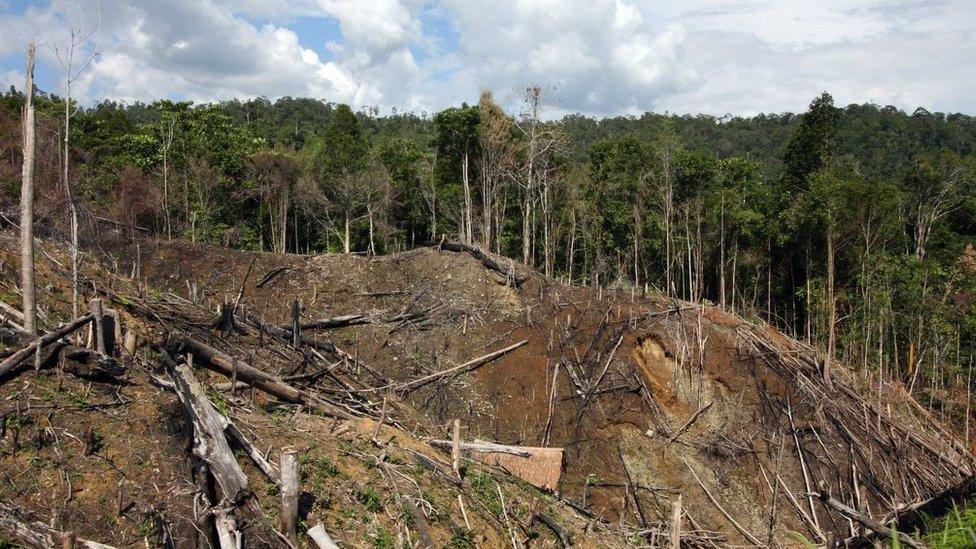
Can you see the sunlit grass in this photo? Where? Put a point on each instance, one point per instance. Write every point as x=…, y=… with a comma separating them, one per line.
x=955, y=530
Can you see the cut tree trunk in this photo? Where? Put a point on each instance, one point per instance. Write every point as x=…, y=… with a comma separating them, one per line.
x=97, y=315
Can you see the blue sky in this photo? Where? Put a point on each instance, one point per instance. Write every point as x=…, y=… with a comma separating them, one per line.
x=598, y=57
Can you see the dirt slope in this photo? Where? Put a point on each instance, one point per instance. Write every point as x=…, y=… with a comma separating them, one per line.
x=651, y=398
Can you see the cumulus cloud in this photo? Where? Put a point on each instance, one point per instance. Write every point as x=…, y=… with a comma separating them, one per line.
x=600, y=57
x=595, y=56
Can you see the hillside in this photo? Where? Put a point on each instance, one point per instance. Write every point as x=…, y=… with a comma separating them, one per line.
x=653, y=400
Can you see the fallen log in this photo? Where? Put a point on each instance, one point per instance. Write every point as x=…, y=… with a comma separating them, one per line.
x=745, y=533
x=466, y=367
x=78, y=361
x=564, y=539
x=334, y=323
x=217, y=361
x=316, y=344
x=87, y=364
x=12, y=311
x=484, y=447
x=271, y=275
x=420, y=521
x=15, y=359
x=688, y=423
x=209, y=440
x=35, y=533
x=865, y=520
x=912, y=518
x=285, y=334
x=11, y=317
x=485, y=259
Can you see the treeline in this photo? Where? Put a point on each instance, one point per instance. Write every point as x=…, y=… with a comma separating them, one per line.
x=850, y=228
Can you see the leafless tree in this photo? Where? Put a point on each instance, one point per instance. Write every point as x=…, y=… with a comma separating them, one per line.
x=429, y=189
x=497, y=156
x=938, y=196
x=377, y=190
x=78, y=37
x=275, y=175
x=28, y=287
x=666, y=148
x=167, y=142
x=538, y=140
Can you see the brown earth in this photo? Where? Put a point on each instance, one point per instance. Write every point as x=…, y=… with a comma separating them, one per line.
x=630, y=372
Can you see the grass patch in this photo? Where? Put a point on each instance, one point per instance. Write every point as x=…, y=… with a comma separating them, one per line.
x=955, y=530
x=370, y=499
x=484, y=486
x=384, y=539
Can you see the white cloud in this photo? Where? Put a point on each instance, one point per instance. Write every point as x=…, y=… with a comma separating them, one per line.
x=758, y=58
x=595, y=56
x=377, y=28
x=598, y=55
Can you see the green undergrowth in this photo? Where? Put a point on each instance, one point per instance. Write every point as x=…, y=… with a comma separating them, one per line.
x=955, y=530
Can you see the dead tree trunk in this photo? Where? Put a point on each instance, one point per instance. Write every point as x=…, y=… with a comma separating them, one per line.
x=296, y=327
x=209, y=441
x=288, y=516
x=27, y=203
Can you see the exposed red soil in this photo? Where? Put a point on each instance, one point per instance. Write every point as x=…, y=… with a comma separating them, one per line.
x=673, y=360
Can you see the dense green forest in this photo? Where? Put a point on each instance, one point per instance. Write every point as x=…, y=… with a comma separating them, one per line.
x=851, y=228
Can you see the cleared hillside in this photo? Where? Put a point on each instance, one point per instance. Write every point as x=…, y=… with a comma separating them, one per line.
x=651, y=399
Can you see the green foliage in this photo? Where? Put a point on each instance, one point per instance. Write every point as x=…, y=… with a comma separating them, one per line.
x=342, y=149
x=462, y=540
x=740, y=204
x=487, y=490
x=802, y=540
x=371, y=499
x=384, y=539
x=954, y=531
x=812, y=142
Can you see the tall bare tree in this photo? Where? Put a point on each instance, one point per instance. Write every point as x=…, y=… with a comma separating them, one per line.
x=167, y=142
x=936, y=184
x=78, y=37
x=275, y=175
x=426, y=164
x=497, y=154
x=538, y=140
x=27, y=202
x=666, y=148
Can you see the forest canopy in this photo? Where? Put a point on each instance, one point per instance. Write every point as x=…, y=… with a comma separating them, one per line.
x=852, y=228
